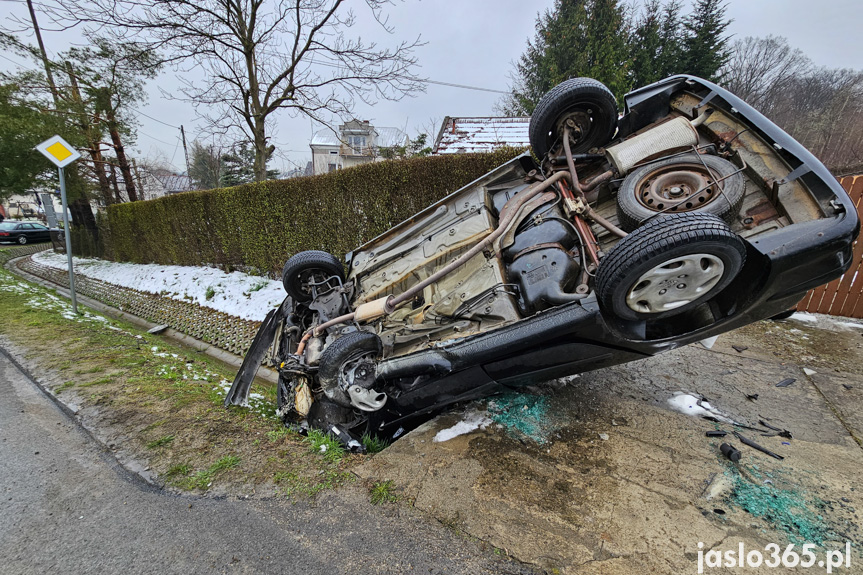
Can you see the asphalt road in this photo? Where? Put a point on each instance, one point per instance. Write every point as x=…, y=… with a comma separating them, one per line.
x=67, y=507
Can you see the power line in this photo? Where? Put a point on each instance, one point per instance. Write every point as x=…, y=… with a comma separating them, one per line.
x=155, y=119
x=175, y=151
x=329, y=64
x=438, y=82
x=465, y=87
x=154, y=137
x=13, y=61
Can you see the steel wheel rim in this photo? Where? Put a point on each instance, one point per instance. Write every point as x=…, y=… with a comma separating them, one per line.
x=675, y=283
x=676, y=188
x=581, y=115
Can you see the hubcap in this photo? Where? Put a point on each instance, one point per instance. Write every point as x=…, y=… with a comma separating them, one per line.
x=675, y=283
x=676, y=188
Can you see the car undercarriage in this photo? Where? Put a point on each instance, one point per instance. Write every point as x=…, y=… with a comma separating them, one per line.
x=688, y=216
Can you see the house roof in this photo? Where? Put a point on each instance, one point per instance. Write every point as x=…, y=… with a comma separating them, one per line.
x=387, y=137
x=175, y=183
x=466, y=135
x=325, y=137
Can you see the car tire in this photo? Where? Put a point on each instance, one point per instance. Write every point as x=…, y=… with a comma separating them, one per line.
x=784, y=315
x=668, y=266
x=305, y=265
x=338, y=357
x=652, y=188
x=22, y=240
x=585, y=100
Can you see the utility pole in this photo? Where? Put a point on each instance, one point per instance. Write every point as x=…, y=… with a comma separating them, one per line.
x=44, y=54
x=186, y=152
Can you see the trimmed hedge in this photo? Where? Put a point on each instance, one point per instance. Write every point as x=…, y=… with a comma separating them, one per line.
x=259, y=225
x=90, y=243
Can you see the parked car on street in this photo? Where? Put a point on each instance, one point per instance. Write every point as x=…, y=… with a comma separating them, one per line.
x=23, y=232
x=688, y=216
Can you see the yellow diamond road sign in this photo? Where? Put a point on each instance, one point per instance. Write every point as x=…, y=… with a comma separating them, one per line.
x=59, y=151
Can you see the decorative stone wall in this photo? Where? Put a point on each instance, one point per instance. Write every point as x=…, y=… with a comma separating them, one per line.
x=217, y=328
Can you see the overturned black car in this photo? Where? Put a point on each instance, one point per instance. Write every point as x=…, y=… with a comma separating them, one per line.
x=686, y=217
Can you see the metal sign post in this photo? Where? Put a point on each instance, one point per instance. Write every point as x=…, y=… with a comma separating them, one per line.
x=61, y=155
x=68, y=240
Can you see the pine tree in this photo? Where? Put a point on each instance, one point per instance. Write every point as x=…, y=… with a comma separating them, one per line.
x=575, y=38
x=608, y=46
x=670, y=57
x=205, y=167
x=238, y=166
x=23, y=124
x=646, y=45
x=706, y=43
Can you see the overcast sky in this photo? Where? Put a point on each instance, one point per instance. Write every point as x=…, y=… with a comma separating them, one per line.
x=474, y=43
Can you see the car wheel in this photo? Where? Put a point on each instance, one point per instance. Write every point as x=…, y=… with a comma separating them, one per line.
x=588, y=103
x=668, y=266
x=688, y=183
x=22, y=240
x=304, y=269
x=349, y=361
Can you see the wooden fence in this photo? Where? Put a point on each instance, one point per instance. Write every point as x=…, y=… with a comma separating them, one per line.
x=843, y=296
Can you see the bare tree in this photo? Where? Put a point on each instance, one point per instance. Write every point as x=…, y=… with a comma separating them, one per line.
x=821, y=107
x=258, y=56
x=759, y=69
x=824, y=111
x=431, y=128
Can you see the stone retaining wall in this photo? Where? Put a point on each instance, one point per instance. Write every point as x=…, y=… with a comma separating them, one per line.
x=9, y=253
x=217, y=328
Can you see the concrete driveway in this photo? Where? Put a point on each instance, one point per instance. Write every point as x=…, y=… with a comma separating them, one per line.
x=602, y=475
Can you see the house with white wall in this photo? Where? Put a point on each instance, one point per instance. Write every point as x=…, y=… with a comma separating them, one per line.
x=355, y=142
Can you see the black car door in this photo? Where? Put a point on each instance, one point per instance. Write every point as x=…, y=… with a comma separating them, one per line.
x=27, y=231
x=40, y=233
x=18, y=231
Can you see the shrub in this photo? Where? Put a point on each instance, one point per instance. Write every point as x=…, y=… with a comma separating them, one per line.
x=259, y=225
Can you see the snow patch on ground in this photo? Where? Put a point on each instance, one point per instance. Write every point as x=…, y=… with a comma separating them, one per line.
x=472, y=421
x=823, y=321
x=804, y=317
x=238, y=294
x=41, y=300
x=188, y=370
x=694, y=405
